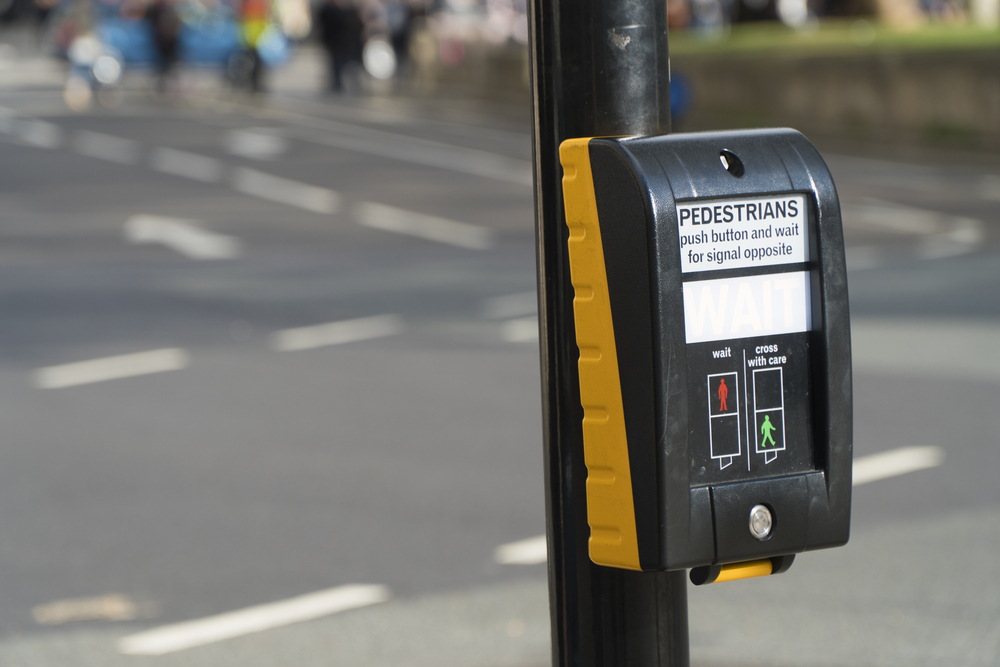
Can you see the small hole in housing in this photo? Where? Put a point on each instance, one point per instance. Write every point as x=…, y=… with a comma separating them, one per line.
x=732, y=163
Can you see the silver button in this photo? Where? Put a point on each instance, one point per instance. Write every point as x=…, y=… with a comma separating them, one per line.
x=760, y=522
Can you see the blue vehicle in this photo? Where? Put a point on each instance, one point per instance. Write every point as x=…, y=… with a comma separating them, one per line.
x=103, y=39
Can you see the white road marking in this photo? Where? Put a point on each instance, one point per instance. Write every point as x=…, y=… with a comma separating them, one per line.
x=188, y=165
x=524, y=552
x=522, y=330
x=432, y=228
x=106, y=147
x=184, y=236
x=36, y=133
x=896, y=462
x=899, y=347
x=511, y=305
x=256, y=144
x=111, y=368
x=415, y=150
x=336, y=333
x=285, y=191
x=943, y=235
x=110, y=607
x=866, y=469
x=181, y=636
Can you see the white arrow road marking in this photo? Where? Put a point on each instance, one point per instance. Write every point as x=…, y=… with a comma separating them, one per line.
x=430, y=227
x=184, y=236
x=866, y=469
x=188, y=165
x=111, y=368
x=942, y=235
x=524, y=552
x=285, y=191
x=896, y=462
x=180, y=636
x=106, y=147
x=336, y=333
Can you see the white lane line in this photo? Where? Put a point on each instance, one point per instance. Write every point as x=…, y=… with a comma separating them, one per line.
x=106, y=147
x=522, y=330
x=111, y=368
x=866, y=469
x=896, y=462
x=36, y=133
x=432, y=228
x=188, y=165
x=254, y=143
x=524, y=552
x=415, y=150
x=184, y=236
x=181, y=636
x=510, y=305
x=336, y=333
x=285, y=191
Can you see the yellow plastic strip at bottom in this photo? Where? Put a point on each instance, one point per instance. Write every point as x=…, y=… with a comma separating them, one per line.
x=747, y=570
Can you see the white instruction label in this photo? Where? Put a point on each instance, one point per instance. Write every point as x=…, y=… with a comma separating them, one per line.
x=718, y=234
x=746, y=307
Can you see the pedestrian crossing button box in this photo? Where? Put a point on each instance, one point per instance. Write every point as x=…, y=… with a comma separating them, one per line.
x=713, y=330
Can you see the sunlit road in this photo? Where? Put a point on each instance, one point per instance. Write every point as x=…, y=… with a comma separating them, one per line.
x=253, y=351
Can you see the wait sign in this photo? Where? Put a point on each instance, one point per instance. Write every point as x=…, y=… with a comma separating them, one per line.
x=738, y=233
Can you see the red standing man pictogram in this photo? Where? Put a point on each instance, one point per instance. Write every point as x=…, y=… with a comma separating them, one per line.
x=723, y=393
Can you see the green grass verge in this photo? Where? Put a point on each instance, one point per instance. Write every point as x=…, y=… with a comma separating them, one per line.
x=832, y=38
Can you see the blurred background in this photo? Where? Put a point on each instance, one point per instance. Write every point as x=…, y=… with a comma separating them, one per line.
x=268, y=331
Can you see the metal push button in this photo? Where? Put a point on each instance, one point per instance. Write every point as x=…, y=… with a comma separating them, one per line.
x=760, y=522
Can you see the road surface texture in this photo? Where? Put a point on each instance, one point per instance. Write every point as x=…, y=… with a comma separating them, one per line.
x=269, y=393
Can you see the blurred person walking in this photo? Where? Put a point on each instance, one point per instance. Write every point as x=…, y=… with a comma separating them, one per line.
x=340, y=31
x=165, y=24
x=398, y=18
x=255, y=17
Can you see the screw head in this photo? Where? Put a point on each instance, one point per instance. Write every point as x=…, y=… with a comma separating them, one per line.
x=761, y=522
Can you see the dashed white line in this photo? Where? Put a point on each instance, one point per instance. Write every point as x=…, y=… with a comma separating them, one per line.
x=184, y=236
x=106, y=147
x=896, y=462
x=510, y=305
x=285, y=191
x=36, y=133
x=522, y=330
x=188, y=165
x=866, y=469
x=524, y=552
x=432, y=228
x=181, y=636
x=110, y=368
x=255, y=144
x=337, y=333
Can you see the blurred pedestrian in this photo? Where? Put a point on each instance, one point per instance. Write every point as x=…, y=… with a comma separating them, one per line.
x=398, y=20
x=340, y=30
x=165, y=24
x=255, y=17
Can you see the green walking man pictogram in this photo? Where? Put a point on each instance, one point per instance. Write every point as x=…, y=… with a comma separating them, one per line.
x=765, y=430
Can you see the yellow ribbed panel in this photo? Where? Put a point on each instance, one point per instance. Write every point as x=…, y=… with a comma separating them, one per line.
x=610, y=511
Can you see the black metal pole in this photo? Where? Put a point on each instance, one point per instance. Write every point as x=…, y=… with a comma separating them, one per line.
x=598, y=68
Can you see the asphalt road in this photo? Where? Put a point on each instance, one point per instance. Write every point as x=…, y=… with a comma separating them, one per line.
x=401, y=449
